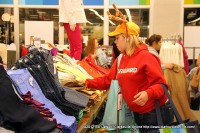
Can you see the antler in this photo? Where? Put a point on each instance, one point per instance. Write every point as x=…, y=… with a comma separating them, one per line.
x=118, y=16
x=118, y=12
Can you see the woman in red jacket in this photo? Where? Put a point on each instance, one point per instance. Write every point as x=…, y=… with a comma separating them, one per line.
x=139, y=75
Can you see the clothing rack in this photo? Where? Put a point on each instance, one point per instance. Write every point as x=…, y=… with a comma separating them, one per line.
x=194, y=49
x=173, y=38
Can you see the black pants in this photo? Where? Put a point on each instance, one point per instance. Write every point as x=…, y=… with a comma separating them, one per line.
x=150, y=119
x=15, y=114
x=41, y=73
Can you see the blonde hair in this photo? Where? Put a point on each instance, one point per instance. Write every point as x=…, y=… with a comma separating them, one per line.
x=134, y=42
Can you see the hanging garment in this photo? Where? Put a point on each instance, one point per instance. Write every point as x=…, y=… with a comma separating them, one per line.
x=171, y=53
x=25, y=83
x=176, y=80
x=22, y=118
x=185, y=58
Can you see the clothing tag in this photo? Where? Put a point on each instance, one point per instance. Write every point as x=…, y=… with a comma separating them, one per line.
x=31, y=81
x=119, y=105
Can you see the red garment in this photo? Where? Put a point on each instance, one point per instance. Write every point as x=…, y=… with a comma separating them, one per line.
x=139, y=72
x=93, y=63
x=66, y=52
x=24, y=51
x=89, y=64
x=75, y=42
x=185, y=58
x=89, y=69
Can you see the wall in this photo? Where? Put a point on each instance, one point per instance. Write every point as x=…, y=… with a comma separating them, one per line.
x=166, y=17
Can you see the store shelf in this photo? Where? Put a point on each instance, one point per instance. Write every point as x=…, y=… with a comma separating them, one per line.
x=85, y=122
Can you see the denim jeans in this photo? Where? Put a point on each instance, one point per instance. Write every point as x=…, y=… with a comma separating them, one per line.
x=15, y=113
x=150, y=119
x=40, y=71
x=26, y=83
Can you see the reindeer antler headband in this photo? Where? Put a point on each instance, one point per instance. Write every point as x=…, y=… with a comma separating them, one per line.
x=125, y=27
x=119, y=17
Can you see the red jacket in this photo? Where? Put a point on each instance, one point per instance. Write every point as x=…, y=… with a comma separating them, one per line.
x=139, y=72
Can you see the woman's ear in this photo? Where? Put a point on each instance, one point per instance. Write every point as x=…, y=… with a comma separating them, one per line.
x=127, y=38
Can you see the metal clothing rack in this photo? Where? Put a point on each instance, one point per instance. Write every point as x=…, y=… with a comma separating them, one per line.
x=194, y=53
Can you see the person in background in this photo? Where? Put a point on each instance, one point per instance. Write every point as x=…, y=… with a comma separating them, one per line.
x=90, y=49
x=140, y=81
x=154, y=43
x=83, y=54
x=115, y=52
x=72, y=14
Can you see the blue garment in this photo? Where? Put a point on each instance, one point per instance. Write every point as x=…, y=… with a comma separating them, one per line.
x=25, y=82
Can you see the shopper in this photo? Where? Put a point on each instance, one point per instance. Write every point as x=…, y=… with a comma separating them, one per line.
x=72, y=14
x=139, y=75
x=115, y=52
x=90, y=49
x=154, y=43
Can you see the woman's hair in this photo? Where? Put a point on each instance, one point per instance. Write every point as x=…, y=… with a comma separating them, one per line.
x=90, y=48
x=153, y=38
x=133, y=42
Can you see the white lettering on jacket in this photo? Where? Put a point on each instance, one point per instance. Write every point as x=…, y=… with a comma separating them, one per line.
x=128, y=70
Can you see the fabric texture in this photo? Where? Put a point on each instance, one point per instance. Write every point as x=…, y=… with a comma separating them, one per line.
x=136, y=73
x=72, y=12
x=185, y=58
x=176, y=79
x=75, y=43
x=18, y=116
x=40, y=65
x=26, y=83
x=54, y=51
x=24, y=51
x=76, y=97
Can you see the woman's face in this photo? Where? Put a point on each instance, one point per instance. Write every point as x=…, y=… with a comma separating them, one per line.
x=156, y=45
x=96, y=44
x=120, y=42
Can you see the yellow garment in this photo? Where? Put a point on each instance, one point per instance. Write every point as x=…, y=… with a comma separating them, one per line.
x=71, y=70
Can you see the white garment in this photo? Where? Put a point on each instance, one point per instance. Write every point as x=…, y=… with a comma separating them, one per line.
x=3, y=53
x=72, y=12
x=171, y=53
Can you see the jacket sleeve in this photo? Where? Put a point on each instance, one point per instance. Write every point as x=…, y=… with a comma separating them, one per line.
x=103, y=83
x=155, y=77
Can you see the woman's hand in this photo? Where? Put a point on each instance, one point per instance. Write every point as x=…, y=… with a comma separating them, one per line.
x=141, y=98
